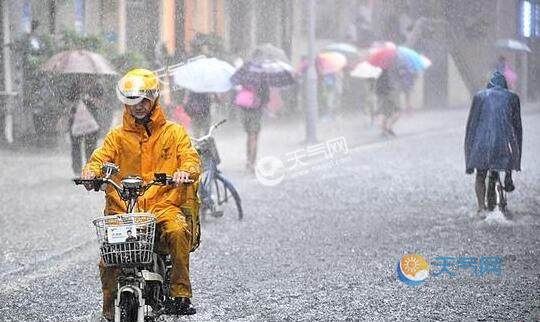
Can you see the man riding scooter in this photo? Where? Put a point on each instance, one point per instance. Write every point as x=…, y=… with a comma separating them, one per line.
x=145, y=144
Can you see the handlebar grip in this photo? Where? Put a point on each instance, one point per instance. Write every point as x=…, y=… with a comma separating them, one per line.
x=96, y=182
x=83, y=181
x=164, y=179
x=171, y=182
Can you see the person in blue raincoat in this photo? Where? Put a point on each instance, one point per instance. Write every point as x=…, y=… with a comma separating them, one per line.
x=493, y=136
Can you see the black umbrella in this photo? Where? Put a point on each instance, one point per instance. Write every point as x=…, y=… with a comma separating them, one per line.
x=274, y=73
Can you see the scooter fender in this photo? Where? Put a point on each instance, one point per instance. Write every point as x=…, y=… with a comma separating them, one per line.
x=132, y=289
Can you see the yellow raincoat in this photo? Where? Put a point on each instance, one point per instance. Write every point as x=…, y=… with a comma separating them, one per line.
x=167, y=150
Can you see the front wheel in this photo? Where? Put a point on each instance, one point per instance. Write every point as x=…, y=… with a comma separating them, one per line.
x=129, y=307
x=227, y=190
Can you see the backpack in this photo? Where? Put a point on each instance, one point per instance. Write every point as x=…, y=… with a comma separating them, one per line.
x=245, y=98
x=83, y=121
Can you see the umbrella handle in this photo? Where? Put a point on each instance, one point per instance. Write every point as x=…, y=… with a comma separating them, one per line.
x=171, y=68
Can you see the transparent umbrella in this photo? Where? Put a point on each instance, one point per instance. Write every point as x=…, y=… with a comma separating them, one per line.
x=204, y=75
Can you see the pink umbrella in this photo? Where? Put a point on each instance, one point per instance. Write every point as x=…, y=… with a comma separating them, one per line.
x=78, y=62
x=384, y=56
x=510, y=76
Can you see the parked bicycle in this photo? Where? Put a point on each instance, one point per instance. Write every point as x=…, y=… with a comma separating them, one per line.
x=215, y=189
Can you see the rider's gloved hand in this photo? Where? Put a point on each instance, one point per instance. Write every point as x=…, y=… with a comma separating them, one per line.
x=88, y=174
x=180, y=177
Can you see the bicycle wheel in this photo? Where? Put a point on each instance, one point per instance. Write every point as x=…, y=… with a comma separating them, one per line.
x=207, y=194
x=491, y=190
x=225, y=189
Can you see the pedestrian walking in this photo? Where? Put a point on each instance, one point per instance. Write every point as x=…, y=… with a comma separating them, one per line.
x=407, y=79
x=256, y=78
x=493, y=138
x=388, y=101
x=252, y=101
x=197, y=106
x=331, y=91
x=504, y=68
x=83, y=127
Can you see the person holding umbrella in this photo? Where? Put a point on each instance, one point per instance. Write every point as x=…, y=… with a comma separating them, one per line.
x=84, y=67
x=202, y=77
x=392, y=59
x=368, y=74
x=256, y=77
x=83, y=125
x=251, y=117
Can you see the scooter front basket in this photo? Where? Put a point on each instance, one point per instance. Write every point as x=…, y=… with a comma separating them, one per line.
x=126, y=240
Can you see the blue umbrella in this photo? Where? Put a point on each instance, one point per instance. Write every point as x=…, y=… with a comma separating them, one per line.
x=412, y=60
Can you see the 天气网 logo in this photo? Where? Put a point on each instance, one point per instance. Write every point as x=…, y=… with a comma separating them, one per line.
x=412, y=269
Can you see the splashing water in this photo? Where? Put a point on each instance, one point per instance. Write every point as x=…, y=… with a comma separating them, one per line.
x=497, y=217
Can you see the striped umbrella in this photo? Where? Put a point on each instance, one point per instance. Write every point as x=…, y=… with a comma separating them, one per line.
x=390, y=56
x=274, y=73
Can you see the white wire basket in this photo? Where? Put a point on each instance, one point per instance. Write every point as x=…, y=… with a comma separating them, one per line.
x=126, y=239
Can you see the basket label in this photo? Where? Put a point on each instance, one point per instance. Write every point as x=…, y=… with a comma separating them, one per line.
x=121, y=234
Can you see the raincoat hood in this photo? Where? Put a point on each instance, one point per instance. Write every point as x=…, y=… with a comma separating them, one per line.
x=497, y=80
x=157, y=119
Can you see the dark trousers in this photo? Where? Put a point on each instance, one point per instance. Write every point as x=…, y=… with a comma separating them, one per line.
x=89, y=141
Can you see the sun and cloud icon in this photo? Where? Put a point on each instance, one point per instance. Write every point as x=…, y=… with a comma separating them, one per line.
x=413, y=269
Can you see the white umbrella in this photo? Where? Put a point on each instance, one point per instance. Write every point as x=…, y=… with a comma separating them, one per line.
x=513, y=45
x=204, y=75
x=366, y=70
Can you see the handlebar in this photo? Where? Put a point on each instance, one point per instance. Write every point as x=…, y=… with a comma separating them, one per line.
x=209, y=134
x=131, y=188
x=160, y=179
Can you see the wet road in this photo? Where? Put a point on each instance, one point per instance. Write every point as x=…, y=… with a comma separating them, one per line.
x=321, y=245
